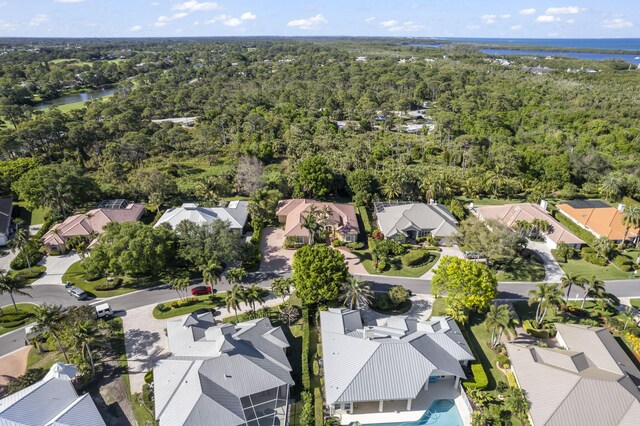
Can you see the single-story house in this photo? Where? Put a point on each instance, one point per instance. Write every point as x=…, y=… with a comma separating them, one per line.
x=223, y=374
x=407, y=220
x=341, y=219
x=6, y=208
x=52, y=401
x=587, y=381
x=92, y=223
x=236, y=213
x=509, y=214
x=399, y=365
x=599, y=218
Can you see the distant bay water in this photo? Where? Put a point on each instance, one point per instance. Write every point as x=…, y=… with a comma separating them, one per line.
x=621, y=44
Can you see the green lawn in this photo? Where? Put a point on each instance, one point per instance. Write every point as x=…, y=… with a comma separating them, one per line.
x=6, y=327
x=204, y=302
x=523, y=270
x=409, y=272
x=479, y=338
x=31, y=217
x=635, y=303
x=583, y=268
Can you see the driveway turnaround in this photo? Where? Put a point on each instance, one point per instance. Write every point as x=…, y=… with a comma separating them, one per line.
x=56, y=267
x=275, y=258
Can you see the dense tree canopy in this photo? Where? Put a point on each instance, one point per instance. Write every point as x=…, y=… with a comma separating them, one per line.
x=319, y=273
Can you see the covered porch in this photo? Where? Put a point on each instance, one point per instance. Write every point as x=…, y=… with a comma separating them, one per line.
x=406, y=410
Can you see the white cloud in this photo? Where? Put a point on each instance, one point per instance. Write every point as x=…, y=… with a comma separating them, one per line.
x=7, y=26
x=546, y=18
x=505, y=16
x=570, y=21
x=617, y=23
x=488, y=19
x=135, y=28
x=232, y=22
x=38, y=19
x=308, y=23
x=404, y=26
x=529, y=11
x=162, y=20
x=195, y=6
x=389, y=24
x=515, y=27
x=370, y=19
x=68, y=1
x=568, y=10
x=247, y=16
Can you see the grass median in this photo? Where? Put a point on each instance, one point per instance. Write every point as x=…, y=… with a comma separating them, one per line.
x=210, y=301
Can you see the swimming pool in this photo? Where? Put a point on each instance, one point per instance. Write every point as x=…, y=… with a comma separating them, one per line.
x=441, y=412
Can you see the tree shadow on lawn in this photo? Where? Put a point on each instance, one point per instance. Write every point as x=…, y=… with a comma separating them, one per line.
x=479, y=351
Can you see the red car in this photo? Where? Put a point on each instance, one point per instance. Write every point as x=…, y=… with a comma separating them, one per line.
x=200, y=290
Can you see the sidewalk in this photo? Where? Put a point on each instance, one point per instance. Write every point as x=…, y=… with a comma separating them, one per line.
x=146, y=341
x=552, y=270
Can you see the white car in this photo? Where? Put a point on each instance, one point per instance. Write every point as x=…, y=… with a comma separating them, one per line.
x=104, y=310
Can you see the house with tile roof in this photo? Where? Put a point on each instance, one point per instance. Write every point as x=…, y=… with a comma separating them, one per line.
x=588, y=380
x=341, y=219
x=408, y=220
x=6, y=208
x=223, y=374
x=509, y=214
x=398, y=365
x=52, y=401
x=91, y=224
x=235, y=213
x=599, y=218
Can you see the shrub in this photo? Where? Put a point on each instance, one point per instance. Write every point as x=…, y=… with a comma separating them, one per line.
x=26, y=274
x=251, y=256
x=12, y=317
x=162, y=308
x=175, y=304
x=398, y=294
x=306, y=414
x=382, y=265
x=377, y=234
x=20, y=261
x=511, y=378
x=306, y=379
x=109, y=285
x=415, y=258
x=479, y=380
x=533, y=331
x=27, y=379
x=502, y=359
x=623, y=262
x=337, y=243
x=355, y=246
x=290, y=243
x=148, y=377
x=147, y=396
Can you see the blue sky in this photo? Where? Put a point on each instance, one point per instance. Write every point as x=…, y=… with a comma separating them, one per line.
x=423, y=18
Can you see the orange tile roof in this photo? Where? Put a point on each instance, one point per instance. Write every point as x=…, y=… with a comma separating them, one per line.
x=341, y=216
x=604, y=221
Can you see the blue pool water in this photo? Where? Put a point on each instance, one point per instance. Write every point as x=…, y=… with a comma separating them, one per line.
x=441, y=412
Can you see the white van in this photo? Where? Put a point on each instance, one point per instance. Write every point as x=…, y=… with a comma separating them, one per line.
x=103, y=310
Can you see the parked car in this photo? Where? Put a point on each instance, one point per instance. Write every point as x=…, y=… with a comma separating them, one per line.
x=104, y=310
x=200, y=290
x=78, y=293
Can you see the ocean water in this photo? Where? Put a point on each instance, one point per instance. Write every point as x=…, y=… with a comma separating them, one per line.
x=632, y=44
x=632, y=59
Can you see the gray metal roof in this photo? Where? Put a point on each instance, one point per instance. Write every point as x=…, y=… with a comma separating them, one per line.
x=593, y=382
x=385, y=362
x=50, y=401
x=216, y=366
x=396, y=219
x=236, y=214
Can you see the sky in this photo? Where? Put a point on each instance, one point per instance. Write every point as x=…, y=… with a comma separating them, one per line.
x=413, y=18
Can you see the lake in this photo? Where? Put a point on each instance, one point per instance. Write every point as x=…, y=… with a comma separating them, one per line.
x=632, y=59
x=77, y=97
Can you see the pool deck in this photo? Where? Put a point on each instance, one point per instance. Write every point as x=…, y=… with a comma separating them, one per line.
x=396, y=411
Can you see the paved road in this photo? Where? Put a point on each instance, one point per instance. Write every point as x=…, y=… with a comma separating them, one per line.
x=57, y=294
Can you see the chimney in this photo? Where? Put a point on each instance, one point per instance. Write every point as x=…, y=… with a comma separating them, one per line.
x=544, y=204
x=621, y=207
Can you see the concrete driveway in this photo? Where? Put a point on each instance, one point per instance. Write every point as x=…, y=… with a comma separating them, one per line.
x=56, y=267
x=275, y=258
x=5, y=261
x=446, y=251
x=552, y=270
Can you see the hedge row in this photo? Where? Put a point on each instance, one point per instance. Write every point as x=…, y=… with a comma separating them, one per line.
x=415, y=258
x=480, y=380
x=306, y=332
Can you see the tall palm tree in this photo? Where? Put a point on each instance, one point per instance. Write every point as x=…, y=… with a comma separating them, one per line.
x=593, y=288
x=500, y=320
x=211, y=273
x=391, y=189
x=13, y=286
x=627, y=316
x=233, y=298
x=603, y=246
x=523, y=227
x=236, y=275
x=82, y=336
x=631, y=219
x=312, y=223
x=541, y=226
x=180, y=285
x=21, y=242
x=49, y=318
x=281, y=287
x=547, y=296
x=611, y=186
x=207, y=189
x=253, y=294
x=356, y=292
x=570, y=280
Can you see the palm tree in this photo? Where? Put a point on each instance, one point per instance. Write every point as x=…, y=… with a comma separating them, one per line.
x=515, y=400
x=236, y=275
x=82, y=336
x=458, y=312
x=546, y=296
x=211, y=273
x=356, y=292
x=593, y=288
x=631, y=219
x=312, y=223
x=569, y=280
x=541, y=226
x=207, y=189
x=523, y=227
x=233, y=298
x=391, y=189
x=49, y=318
x=603, y=246
x=281, y=287
x=180, y=284
x=253, y=294
x=21, y=242
x=611, y=186
x=13, y=286
x=627, y=316
x=500, y=320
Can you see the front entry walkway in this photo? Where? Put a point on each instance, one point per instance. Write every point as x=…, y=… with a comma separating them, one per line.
x=552, y=270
